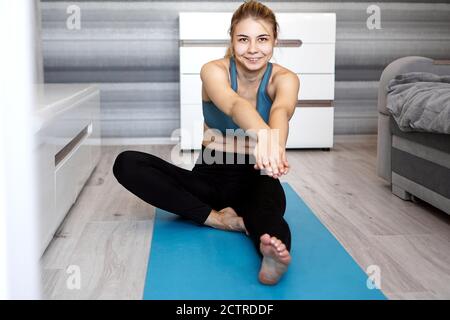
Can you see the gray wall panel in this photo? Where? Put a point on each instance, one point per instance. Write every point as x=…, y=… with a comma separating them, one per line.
x=114, y=76
x=131, y=49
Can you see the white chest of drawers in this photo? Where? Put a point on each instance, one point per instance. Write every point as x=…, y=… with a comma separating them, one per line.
x=67, y=149
x=306, y=47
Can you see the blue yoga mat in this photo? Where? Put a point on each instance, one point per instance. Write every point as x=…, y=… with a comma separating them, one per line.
x=190, y=262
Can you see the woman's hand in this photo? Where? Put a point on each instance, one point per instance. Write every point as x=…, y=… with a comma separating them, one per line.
x=270, y=155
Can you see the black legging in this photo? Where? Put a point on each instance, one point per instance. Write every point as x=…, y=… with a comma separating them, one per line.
x=258, y=199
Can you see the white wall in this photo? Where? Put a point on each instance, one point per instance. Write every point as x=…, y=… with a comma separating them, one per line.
x=19, y=259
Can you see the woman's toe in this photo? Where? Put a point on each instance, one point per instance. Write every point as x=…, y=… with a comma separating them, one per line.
x=265, y=239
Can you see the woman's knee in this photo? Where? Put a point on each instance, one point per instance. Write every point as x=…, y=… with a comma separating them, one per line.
x=122, y=161
x=280, y=197
x=272, y=197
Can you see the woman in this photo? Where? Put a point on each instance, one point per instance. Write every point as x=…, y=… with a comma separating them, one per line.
x=242, y=92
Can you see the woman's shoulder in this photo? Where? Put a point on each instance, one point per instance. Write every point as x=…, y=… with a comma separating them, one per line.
x=222, y=64
x=283, y=78
x=279, y=72
x=211, y=70
x=215, y=67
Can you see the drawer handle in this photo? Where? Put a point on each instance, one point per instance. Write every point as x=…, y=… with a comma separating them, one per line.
x=314, y=103
x=203, y=43
x=441, y=61
x=290, y=43
x=73, y=145
x=224, y=43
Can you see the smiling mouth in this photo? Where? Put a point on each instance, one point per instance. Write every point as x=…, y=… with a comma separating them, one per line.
x=253, y=59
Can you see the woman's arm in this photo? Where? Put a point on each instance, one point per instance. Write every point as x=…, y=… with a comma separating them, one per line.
x=287, y=86
x=248, y=118
x=286, y=95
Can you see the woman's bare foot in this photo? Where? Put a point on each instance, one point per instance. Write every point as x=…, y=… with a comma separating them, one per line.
x=226, y=219
x=276, y=259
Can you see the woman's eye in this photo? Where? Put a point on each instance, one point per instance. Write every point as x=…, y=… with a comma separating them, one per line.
x=262, y=39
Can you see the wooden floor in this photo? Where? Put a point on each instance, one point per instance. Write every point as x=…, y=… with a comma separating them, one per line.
x=107, y=234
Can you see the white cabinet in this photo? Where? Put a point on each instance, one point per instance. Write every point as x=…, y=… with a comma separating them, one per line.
x=191, y=126
x=306, y=47
x=67, y=149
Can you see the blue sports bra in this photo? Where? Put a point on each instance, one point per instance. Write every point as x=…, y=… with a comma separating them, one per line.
x=217, y=119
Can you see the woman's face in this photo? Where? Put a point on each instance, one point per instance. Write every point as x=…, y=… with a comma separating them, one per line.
x=253, y=43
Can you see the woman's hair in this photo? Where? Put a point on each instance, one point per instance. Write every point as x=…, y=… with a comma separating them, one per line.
x=253, y=9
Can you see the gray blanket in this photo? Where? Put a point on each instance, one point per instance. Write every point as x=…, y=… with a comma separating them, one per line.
x=420, y=101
